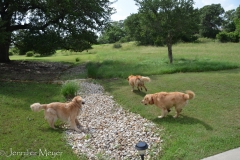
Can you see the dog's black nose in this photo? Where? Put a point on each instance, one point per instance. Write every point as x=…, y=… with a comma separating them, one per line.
x=83, y=102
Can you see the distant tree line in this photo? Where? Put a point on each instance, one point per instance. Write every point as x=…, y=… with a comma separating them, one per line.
x=156, y=18
x=44, y=26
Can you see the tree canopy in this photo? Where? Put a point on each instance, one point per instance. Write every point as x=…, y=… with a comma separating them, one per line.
x=45, y=25
x=211, y=17
x=112, y=33
x=168, y=20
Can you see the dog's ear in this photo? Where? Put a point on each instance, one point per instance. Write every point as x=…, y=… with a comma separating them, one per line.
x=74, y=99
x=77, y=99
x=151, y=101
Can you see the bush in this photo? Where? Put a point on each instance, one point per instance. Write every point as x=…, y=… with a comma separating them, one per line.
x=69, y=89
x=14, y=50
x=29, y=53
x=77, y=59
x=228, y=37
x=233, y=37
x=222, y=37
x=117, y=45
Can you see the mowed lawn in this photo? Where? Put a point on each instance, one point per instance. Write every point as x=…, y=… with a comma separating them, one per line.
x=209, y=124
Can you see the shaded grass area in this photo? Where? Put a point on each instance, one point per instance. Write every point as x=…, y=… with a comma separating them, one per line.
x=25, y=134
x=208, y=125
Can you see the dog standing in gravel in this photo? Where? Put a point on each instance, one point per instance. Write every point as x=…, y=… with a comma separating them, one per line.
x=63, y=111
x=138, y=81
x=166, y=100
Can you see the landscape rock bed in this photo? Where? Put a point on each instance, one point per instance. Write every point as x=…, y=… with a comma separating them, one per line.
x=32, y=71
x=109, y=131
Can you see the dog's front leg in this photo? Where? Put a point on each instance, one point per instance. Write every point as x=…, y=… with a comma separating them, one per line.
x=132, y=88
x=163, y=113
x=78, y=123
x=73, y=125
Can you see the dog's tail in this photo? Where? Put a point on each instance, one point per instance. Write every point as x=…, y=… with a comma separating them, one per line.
x=190, y=94
x=145, y=79
x=36, y=107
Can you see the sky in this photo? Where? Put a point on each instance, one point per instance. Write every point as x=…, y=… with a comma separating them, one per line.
x=125, y=8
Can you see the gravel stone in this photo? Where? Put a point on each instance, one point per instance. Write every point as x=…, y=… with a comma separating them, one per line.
x=109, y=131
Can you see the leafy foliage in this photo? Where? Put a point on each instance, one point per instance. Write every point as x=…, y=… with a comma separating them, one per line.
x=228, y=37
x=211, y=20
x=117, y=45
x=69, y=89
x=30, y=54
x=167, y=20
x=132, y=25
x=44, y=26
x=112, y=33
x=228, y=23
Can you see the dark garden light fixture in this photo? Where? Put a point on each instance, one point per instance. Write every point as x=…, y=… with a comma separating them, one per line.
x=141, y=147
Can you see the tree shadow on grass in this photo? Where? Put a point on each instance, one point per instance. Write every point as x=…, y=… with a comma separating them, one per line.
x=182, y=119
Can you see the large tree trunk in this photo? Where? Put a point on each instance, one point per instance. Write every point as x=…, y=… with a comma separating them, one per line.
x=4, y=53
x=169, y=45
x=170, y=53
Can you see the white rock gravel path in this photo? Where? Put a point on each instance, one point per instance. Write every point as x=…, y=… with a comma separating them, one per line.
x=109, y=131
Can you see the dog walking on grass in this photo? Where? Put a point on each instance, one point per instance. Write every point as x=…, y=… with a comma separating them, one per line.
x=138, y=81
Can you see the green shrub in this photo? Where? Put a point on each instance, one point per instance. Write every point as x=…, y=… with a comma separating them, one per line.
x=117, y=45
x=228, y=37
x=14, y=51
x=77, y=59
x=222, y=37
x=69, y=89
x=30, y=54
x=233, y=37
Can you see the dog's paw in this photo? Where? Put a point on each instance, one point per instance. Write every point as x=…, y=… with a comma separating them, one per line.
x=160, y=116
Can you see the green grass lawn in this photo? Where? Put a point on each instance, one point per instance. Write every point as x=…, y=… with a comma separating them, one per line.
x=25, y=131
x=209, y=124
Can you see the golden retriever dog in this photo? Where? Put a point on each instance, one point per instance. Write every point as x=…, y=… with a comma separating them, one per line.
x=138, y=81
x=63, y=111
x=167, y=100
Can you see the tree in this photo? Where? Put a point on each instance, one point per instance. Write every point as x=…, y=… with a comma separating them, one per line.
x=237, y=20
x=46, y=25
x=237, y=13
x=211, y=20
x=228, y=23
x=132, y=26
x=169, y=19
x=137, y=29
x=231, y=27
x=113, y=32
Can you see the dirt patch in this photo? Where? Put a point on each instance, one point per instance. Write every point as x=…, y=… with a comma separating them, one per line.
x=37, y=71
